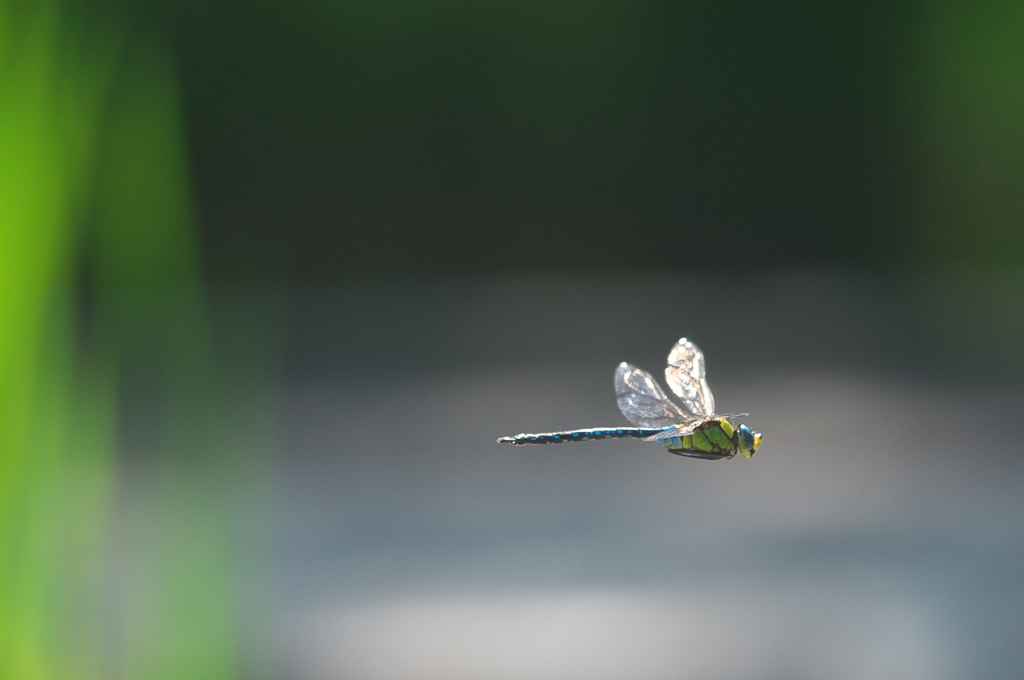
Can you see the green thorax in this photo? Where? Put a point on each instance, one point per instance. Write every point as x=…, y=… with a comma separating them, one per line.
x=713, y=438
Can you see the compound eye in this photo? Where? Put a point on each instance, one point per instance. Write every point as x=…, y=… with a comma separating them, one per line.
x=746, y=439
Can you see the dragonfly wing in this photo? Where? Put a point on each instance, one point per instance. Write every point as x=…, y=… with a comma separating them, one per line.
x=642, y=400
x=680, y=431
x=685, y=376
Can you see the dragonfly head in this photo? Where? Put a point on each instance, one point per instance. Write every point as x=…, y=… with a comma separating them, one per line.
x=749, y=441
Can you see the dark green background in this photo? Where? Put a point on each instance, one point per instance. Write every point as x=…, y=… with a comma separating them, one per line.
x=341, y=139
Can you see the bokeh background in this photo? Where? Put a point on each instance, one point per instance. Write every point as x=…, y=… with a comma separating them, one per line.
x=274, y=276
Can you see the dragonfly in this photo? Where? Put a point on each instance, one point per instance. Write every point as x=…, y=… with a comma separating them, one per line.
x=689, y=427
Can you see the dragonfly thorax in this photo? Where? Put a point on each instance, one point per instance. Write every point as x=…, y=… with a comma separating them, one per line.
x=715, y=439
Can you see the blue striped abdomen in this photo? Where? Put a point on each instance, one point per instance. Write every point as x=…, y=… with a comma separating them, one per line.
x=581, y=435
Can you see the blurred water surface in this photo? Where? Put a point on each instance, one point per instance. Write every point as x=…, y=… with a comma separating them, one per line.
x=875, y=535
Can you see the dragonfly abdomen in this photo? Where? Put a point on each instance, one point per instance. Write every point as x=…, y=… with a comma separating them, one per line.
x=580, y=435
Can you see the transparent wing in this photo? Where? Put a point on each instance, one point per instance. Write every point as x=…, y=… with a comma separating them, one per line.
x=685, y=376
x=687, y=428
x=642, y=400
x=680, y=431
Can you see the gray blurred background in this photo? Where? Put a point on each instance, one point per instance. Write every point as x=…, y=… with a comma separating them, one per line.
x=875, y=534
x=275, y=276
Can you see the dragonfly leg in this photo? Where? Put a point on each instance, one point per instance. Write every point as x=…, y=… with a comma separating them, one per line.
x=701, y=455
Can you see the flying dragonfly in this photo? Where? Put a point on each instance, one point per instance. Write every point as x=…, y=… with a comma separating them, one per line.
x=689, y=428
